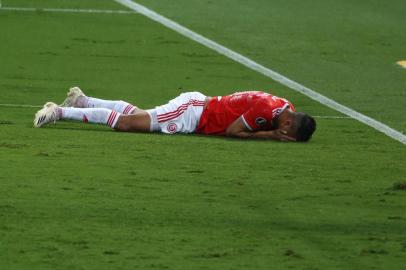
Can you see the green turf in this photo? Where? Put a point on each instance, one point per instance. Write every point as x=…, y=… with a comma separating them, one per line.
x=76, y=196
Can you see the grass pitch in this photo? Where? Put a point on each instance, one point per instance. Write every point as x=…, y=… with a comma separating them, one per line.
x=85, y=197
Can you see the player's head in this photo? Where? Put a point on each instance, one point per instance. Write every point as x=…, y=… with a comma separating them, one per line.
x=298, y=125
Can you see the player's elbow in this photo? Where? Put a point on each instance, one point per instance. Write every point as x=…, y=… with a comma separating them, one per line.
x=237, y=129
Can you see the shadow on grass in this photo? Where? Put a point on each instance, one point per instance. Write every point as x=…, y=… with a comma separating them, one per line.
x=100, y=128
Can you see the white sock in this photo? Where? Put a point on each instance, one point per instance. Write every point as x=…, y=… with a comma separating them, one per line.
x=92, y=115
x=115, y=105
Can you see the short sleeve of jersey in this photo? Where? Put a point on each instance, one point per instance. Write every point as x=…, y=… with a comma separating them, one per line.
x=259, y=115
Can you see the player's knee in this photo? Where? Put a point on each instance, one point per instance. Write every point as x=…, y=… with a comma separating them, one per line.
x=139, y=122
x=123, y=124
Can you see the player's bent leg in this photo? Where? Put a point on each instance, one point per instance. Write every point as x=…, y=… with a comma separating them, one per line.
x=120, y=106
x=76, y=98
x=136, y=122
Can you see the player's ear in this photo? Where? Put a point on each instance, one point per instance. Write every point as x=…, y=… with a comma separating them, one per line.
x=288, y=122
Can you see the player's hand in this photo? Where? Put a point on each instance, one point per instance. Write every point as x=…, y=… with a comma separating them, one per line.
x=281, y=135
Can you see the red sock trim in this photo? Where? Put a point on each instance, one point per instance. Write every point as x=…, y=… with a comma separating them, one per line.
x=128, y=108
x=112, y=118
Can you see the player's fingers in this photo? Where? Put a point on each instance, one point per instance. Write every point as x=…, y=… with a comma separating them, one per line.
x=288, y=138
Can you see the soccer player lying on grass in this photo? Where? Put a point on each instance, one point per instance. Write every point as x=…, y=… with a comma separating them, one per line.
x=250, y=114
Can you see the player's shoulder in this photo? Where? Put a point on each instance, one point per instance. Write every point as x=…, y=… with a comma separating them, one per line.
x=249, y=93
x=265, y=98
x=272, y=102
x=277, y=99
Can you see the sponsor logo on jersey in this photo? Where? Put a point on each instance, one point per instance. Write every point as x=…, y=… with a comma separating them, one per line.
x=260, y=121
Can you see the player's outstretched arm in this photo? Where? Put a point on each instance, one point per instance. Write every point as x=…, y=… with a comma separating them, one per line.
x=238, y=129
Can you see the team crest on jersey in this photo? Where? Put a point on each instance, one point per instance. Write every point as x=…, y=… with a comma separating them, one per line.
x=260, y=121
x=172, y=127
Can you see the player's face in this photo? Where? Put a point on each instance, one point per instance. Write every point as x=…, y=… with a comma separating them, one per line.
x=287, y=123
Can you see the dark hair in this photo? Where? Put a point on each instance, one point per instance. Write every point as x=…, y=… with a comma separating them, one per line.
x=306, y=127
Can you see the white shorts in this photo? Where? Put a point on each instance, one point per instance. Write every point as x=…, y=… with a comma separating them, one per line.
x=181, y=114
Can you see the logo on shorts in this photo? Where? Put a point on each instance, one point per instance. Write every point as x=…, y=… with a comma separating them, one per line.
x=172, y=127
x=260, y=121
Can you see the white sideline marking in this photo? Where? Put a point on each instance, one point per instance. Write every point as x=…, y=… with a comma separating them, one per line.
x=67, y=10
x=263, y=70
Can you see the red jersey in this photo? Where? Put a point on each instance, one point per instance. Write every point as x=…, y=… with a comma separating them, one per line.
x=258, y=110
